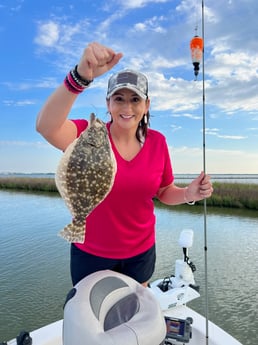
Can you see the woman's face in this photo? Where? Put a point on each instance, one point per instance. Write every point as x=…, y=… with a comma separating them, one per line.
x=127, y=108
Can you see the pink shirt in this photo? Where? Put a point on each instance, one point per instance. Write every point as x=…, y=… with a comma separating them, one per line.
x=123, y=224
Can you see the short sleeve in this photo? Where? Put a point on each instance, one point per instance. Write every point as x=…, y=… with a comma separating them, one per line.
x=168, y=176
x=81, y=125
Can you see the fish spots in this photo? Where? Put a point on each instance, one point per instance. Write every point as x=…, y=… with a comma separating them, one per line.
x=85, y=176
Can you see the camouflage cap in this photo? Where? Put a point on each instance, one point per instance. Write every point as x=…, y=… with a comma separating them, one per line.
x=128, y=79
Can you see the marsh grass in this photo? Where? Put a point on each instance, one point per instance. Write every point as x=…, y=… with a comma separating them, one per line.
x=30, y=184
x=236, y=195
x=230, y=195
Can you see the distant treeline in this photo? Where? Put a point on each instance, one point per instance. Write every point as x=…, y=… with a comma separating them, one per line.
x=233, y=195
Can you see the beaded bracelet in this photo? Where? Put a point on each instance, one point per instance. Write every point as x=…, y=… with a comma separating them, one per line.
x=80, y=80
x=75, y=83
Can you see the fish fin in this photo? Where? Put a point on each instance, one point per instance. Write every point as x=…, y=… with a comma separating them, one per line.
x=92, y=118
x=73, y=232
x=95, y=122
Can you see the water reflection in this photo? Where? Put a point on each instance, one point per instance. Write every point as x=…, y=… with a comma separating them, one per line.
x=34, y=266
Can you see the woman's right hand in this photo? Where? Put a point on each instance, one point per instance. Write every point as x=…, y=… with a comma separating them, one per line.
x=97, y=60
x=52, y=120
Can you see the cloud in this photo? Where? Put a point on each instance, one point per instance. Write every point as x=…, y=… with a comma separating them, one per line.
x=215, y=132
x=231, y=137
x=132, y=4
x=174, y=94
x=58, y=34
x=231, y=71
x=190, y=160
x=45, y=83
x=187, y=115
x=48, y=34
x=21, y=103
x=236, y=64
x=152, y=24
x=21, y=144
x=175, y=128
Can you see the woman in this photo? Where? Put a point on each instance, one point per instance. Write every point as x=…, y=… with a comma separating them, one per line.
x=121, y=230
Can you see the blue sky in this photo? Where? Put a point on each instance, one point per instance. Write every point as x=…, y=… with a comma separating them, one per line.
x=42, y=40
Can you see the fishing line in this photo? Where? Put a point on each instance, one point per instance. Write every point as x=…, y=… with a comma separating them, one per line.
x=196, y=18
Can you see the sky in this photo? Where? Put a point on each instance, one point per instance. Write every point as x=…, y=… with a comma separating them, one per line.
x=42, y=40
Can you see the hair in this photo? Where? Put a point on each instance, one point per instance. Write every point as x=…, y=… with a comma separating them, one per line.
x=142, y=129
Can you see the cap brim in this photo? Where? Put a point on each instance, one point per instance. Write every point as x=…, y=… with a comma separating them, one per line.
x=130, y=87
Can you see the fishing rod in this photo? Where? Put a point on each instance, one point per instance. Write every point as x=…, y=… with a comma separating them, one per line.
x=197, y=52
x=204, y=202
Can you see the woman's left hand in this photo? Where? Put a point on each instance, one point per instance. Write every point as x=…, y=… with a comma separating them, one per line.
x=200, y=188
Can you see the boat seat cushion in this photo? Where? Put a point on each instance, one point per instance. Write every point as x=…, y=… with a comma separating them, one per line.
x=122, y=311
x=107, y=307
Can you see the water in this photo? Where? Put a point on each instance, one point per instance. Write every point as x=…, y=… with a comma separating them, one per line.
x=228, y=178
x=34, y=270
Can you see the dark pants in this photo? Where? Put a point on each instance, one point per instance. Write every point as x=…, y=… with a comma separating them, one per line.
x=139, y=267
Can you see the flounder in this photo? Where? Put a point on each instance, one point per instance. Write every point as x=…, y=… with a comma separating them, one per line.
x=85, y=176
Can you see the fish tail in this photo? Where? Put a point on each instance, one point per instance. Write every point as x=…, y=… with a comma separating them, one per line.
x=73, y=232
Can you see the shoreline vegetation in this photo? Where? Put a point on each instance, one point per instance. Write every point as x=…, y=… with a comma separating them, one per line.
x=226, y=195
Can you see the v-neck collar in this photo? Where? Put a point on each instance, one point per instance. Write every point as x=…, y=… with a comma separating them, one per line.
x=117, y=154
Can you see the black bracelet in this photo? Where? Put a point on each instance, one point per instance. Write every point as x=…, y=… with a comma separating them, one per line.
x=79, y=79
